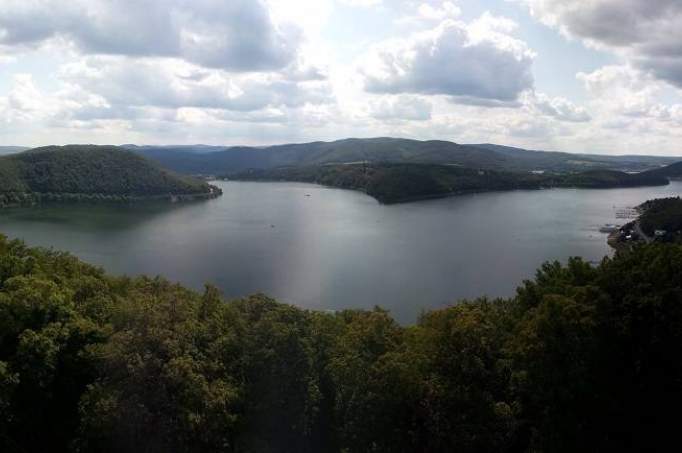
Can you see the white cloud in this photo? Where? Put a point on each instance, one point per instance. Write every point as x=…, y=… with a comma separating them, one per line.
x=175, y=84
x=417, y=14
x=648, y=33
x=158, y=99
x=24, y=102
x=442, y=12
x=629, y=93
x=238, y=35
x=557, y=107
x=361, y=3
x=478, y=63
x=402, y=107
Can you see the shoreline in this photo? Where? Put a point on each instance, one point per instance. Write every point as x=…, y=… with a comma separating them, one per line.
x=613, y=241
x=436, y=196
x=27, y=199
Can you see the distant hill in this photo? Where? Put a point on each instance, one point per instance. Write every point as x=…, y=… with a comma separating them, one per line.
x=673, y=171
x=214, y=160
x=395, y=183
x=11, y=149
x=560, y=161
x=197, y=149
x=316, y=153
x=89, y=172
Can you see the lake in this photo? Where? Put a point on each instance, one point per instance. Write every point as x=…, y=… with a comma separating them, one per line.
x=329, y=249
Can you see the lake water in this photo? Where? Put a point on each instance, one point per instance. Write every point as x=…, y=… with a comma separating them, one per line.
x=329, y=249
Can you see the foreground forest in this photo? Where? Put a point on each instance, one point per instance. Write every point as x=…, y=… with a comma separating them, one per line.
x=395, y=183
x=583, y=358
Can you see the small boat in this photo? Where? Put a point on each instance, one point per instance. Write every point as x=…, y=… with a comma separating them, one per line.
x=609, y=228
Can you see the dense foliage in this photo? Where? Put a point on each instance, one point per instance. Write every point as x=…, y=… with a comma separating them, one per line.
x=392, y=183
x=583, y=359
x=605, y=179
x=72, y=171
x=662, y=214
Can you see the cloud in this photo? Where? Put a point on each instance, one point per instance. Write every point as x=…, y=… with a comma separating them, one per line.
x=24, y=102
x=646, y=32
x=107, y=94
x=273, y=71
x=558, y=107
x=629, y=93
x=447, y=9
x=403, y=107
x=416, y=15
x=176, y=84
x=80, y=112
x=361, y=3
x=478, y=63
x=236, y=35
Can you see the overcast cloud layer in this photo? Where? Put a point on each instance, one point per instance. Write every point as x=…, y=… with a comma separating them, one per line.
x=586, y=75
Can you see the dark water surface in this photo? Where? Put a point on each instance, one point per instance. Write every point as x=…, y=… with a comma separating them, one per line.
x=329, y=249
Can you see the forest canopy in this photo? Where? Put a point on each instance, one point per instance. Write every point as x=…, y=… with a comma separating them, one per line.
x=662, y=214
x=583, y=358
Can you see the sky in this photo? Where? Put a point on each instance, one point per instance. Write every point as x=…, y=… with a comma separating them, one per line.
x=594, y=76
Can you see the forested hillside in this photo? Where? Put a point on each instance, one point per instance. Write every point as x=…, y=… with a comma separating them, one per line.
x=673, y=171
x=582, y=359
x=662, y=214
x=393, y=183
x=88, y=171
x=606, y=179
x=220, y=160
x=341, y=151
x=561, y=161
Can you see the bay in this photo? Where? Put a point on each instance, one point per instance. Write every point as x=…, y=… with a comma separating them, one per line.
x=330, y=249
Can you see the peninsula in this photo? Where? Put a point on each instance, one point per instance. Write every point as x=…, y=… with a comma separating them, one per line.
x=396, y=183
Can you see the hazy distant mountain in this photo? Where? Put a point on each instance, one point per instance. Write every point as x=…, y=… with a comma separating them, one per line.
x=12, y=149
x=198, y=149
x=560, y=161
x=317, y=153
x=200, y=159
